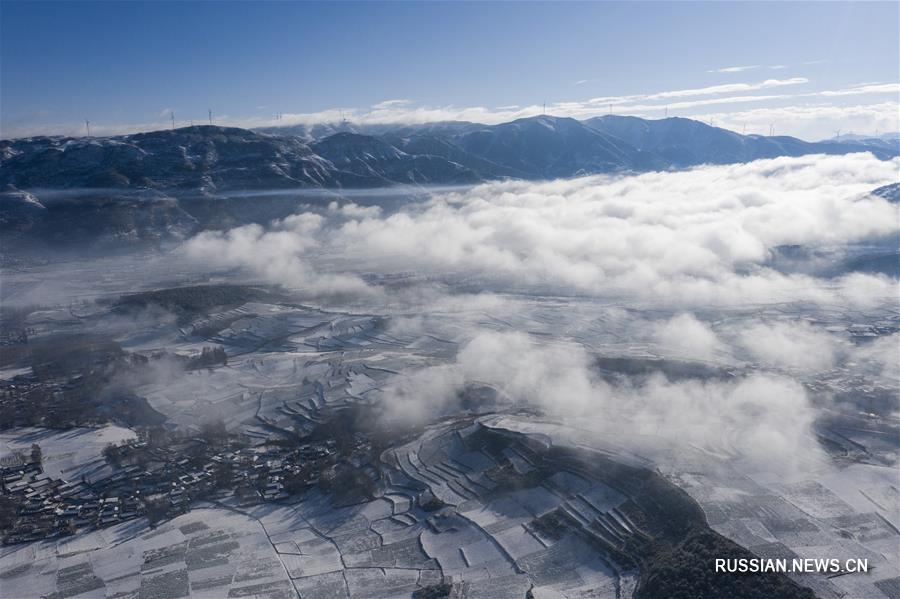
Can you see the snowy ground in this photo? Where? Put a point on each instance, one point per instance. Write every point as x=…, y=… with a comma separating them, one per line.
x=846, y=512
x=288, y=362
x=206, y=553
x=69, y=454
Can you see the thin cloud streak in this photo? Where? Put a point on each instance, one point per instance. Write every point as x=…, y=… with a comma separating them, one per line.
x=703, y=91
x=735, y=69
x=741, y=69
x=875, y=88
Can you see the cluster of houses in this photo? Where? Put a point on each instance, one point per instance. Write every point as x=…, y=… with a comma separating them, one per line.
x=48, y=507
x=158, y=481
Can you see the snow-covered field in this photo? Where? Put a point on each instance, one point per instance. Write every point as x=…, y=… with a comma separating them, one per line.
x=209, y=552
x=69, y=454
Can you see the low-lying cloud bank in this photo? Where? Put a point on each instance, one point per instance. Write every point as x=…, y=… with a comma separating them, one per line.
x=695, y=238
x=693, y=244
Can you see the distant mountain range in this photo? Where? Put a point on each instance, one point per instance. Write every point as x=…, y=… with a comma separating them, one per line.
x=682, y=143
x=210, y=158
x=169, y=183
x=890, y=141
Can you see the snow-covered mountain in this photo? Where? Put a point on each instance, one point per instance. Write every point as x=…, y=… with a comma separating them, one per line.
x=884, y=141
x=203, y=158
x=549, y=147
x=214, y=159
x=683, y=142
x=373, y=159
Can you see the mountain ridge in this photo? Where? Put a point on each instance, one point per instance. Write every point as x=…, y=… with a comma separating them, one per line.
x=212, y=159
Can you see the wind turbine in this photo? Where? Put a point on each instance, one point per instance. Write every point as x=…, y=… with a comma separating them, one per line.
x=87, y=125
x=209, y=111
x=173, y=120
x=837, y=135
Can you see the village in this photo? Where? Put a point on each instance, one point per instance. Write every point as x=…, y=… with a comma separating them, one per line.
x=160, y=473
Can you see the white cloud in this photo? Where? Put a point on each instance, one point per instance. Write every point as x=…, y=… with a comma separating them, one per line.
x=713, y=90
x=275, y=255
x=687, y=338
x=727, y=88
x=880, y=358
x=694, y=238
x=741, y=69
x=420, y=395
x=735, y=69
x=392, y=104
x=763, y=419
x=792, y=346
x=873, y=88
x=682, y=236
x=687, y=104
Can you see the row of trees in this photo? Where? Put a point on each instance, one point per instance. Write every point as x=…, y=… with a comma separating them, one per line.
x=209, y=357
x=37, y=454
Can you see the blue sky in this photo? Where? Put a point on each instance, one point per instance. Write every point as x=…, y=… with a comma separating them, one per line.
x=126, y=65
